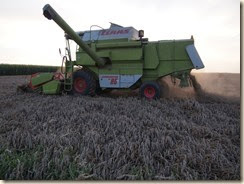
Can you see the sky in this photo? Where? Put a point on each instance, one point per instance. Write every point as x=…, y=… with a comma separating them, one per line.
x=27, y=37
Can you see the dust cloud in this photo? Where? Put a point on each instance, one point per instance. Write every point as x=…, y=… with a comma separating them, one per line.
x=205, y=86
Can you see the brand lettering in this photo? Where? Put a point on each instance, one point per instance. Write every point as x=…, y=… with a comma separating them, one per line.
x=114, y=32
x=113, y=81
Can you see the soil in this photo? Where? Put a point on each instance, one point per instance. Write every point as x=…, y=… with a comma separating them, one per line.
x=119, y=136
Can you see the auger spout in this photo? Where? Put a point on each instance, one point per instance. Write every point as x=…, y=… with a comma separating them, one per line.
x=51, y=14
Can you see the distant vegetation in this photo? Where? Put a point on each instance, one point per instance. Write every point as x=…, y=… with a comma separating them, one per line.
x=8, y=69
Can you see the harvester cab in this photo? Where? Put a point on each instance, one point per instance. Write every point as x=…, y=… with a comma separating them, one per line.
x=118, y=58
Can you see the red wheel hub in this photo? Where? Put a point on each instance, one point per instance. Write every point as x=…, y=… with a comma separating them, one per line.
x=149, y=92
x=80, y=85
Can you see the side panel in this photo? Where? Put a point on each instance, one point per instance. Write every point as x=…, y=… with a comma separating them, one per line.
x=83, y=58
x=109, y=81
x=120, y=75
x=119, y=44
x=180, y=51
x=172, y=56
x=168, y=67
x=115, y=51
x=151, y=60
x=173, y=49
x=118, y=81
x=126, y=54
x=165, y=50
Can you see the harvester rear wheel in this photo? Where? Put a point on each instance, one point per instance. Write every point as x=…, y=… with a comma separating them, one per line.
x=150, y=90
x=84, y=83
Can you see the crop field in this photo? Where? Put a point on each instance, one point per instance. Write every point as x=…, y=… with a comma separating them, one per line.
x=184, y=136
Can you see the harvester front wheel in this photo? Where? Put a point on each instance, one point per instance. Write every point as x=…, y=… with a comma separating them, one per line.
x=150, y=90
x=84, y=83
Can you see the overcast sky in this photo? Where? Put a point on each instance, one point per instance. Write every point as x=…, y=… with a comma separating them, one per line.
x=26, y=37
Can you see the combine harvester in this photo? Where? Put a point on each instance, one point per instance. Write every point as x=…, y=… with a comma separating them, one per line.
x=116, y=58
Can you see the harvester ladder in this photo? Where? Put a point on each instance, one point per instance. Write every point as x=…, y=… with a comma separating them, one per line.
x=68, y=80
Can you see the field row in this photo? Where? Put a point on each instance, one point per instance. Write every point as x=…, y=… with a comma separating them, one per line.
x=7, y=69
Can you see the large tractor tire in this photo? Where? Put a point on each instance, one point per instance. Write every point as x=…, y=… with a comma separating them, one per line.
x=150, y=90
x=84, y=83
x=98, y=90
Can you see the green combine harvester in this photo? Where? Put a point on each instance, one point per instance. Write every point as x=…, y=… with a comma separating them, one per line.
x=117, y=58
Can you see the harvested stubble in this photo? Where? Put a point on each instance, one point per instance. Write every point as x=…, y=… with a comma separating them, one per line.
x=70, y=137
